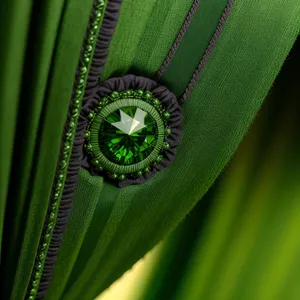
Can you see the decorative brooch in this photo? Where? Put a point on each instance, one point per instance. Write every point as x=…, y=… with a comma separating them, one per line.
x=132, y=127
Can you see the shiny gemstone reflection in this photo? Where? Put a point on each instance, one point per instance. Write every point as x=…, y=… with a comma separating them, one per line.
x=128, y=135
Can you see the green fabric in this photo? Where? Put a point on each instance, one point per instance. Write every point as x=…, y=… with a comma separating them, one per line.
x=216, y=117
x=87, y=197
x=68, y=42
x=39, y=59
x=193, y=46
x=12, y=56
x=32, y=96
x=249, y=246
x=143, y=49
x=103, y=213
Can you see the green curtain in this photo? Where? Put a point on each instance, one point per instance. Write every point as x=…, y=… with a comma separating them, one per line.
x=111, y=228
x=241, y=240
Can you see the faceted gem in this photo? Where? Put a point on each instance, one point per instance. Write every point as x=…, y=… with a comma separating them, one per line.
x=128, y=135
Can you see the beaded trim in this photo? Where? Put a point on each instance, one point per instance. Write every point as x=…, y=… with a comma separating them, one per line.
x=36, y=290
x=111, y=103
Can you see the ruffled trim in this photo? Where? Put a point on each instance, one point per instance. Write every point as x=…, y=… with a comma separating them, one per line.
x=102, y=47
x=100, y=54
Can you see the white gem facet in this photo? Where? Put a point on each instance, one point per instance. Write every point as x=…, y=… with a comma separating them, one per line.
x=130, y=125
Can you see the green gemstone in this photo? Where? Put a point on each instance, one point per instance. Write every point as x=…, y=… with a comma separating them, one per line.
x=128, y=135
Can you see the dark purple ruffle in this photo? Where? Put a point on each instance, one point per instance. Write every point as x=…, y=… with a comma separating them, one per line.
x=96, y=68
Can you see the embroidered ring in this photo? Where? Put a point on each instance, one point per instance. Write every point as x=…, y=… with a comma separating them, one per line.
x=133, y=127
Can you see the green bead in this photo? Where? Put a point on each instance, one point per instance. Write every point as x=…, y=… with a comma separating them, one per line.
x=69, y=135
x=51, y=216
x=67, y=146
x=122, y=177
x=156, y=102
x=99, y=168
x=147, y=95
x=63, y=164
x=168, y=131
x=166, y=146
x=139, y=173
x=140, y=93
x=147, y=170
x=114, y=176
x=95, y=162
x=129, y=93
x=166, y=115
x=91, y=116
x=159, y=158
x=50, y=225
x=75, y=111
x=87, y=134
x=88, y=147
x=33, y=291
x=83, y=70
x=115, y=95
x=89, y=48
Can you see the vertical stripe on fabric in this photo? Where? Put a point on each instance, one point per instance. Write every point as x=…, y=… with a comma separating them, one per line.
x=208, y=52
x=182, y=31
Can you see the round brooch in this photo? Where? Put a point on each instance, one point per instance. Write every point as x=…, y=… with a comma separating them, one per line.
x=133, y=125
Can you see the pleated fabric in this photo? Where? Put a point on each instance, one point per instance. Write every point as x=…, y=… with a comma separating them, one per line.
x=111, y=228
